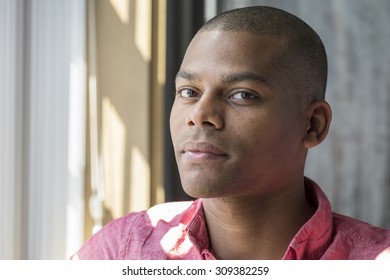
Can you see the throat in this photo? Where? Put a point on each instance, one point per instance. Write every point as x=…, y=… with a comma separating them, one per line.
x=253, y=233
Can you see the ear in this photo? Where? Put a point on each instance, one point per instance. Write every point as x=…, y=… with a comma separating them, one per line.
x=319, y=116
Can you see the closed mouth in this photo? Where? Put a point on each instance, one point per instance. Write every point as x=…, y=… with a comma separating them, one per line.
x=202, y=148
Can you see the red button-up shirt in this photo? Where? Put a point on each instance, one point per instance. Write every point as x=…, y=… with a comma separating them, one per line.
x=178, y=231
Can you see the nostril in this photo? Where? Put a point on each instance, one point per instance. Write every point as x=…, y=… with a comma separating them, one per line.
x=209, y=120
x=190, y=123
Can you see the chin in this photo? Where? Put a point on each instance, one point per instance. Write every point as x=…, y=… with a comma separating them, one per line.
x=203, y=191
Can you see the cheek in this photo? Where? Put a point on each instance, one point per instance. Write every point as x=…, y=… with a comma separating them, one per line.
x=253, y=130
x=174, y=120
x=266, y=138
x=177, y=126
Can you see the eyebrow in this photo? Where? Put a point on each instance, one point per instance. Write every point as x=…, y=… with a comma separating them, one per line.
x=187, y=75
x=244, y=76
x=228, y=78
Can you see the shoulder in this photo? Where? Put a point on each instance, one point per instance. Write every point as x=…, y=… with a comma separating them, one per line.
x=358, y=239
x=108, y=242
x=359, y=230
x=113, y=240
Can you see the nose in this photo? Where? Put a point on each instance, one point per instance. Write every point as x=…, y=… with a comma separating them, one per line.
x=207, y=112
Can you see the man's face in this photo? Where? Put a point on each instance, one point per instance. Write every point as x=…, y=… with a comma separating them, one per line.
x=237, y=125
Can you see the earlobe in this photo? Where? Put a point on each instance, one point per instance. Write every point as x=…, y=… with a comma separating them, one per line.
x=319, y=115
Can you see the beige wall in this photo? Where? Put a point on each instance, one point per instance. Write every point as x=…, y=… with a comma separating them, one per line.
x=129, y=59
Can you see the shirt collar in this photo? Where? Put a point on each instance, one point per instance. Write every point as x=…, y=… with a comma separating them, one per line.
x=198, y=233
x=315, y=235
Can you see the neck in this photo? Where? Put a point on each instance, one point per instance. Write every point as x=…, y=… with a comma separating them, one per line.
x=255, y=228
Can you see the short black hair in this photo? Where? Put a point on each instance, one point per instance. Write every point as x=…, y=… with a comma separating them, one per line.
x=305, y=55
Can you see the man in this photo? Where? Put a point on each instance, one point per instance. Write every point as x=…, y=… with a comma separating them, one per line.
x=249, y=104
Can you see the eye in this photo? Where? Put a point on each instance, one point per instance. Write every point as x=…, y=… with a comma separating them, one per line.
x=243, y=95
x=187, y=93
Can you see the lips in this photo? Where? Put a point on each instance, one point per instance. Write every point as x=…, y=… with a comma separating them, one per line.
x=198, y=151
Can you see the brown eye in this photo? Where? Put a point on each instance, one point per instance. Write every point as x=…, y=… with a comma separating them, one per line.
x=242, y=95
x=187, y=93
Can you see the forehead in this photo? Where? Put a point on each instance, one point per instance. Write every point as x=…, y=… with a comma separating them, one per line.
x=242, y=41
x=213, y=52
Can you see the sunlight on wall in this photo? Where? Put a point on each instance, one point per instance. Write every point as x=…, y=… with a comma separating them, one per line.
x=140, y=181
x=143, y=20
x=160, y=194
x=121, y=7
x=161, y=39
x=113, y=145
